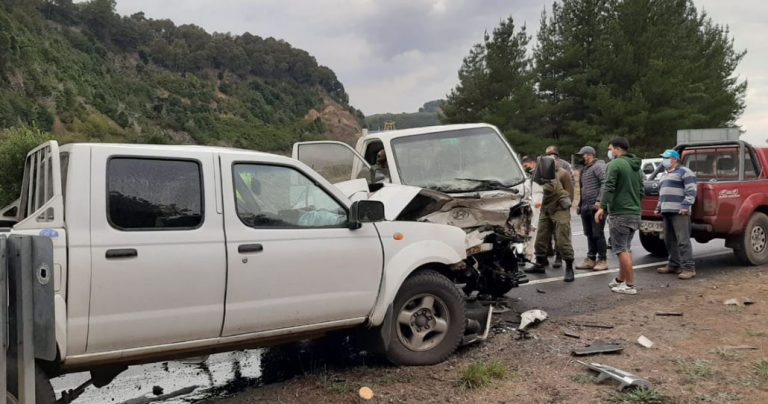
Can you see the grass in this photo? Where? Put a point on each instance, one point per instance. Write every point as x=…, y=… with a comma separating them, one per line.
x=641, y=396
x=697, y=369
x=332, y=384
x=761, y=369
x=479, y=375
x=584, y=379
x=725, y=354
x=757, y=334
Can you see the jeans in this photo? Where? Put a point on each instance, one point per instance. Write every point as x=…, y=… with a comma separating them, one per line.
x=677, y=237
x=595, y=233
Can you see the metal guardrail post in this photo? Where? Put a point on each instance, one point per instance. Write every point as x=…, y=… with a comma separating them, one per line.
x=3, y=317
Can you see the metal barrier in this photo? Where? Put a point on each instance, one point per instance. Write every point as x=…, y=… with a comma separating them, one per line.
x=27, y=328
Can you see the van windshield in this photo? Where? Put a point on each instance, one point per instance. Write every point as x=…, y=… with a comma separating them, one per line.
x=457, y=161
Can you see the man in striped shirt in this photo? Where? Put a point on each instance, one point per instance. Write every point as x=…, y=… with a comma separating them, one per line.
x=677, y=192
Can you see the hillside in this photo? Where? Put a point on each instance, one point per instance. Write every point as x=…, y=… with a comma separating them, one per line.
x=82, y=72
x=428, y=115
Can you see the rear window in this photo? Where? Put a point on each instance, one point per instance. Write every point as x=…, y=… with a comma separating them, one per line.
x=721, y=163
x=154, y=194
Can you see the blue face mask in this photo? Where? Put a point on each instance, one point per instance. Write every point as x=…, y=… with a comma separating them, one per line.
x=610, y=155
x=667, y=163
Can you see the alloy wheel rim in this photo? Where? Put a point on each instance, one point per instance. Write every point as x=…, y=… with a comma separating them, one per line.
x=422, y=322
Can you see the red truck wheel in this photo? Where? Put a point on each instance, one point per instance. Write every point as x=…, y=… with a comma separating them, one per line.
x=654, y=245
x=752, y=246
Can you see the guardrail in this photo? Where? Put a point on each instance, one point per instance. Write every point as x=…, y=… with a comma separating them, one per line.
x=26, y=311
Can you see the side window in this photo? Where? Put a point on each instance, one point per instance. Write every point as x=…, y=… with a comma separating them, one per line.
x=751, y=165
x=701, y=163
x=278, y=196
x=154, y=194
x=335, y=162
x=727, y=164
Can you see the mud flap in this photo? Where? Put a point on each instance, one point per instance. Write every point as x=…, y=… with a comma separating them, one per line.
x=477, y=330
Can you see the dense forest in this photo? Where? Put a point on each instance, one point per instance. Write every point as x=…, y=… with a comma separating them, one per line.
x=602, y=68
x=83, y=72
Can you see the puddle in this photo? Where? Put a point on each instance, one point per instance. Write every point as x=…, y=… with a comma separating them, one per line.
x=220, y=375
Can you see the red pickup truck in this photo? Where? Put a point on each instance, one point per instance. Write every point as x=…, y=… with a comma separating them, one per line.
x=731, y=201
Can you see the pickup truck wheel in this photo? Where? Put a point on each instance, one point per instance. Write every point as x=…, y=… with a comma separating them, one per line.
x=428, y=320
x=752, y=247
x=654, y=245
x=43, y=390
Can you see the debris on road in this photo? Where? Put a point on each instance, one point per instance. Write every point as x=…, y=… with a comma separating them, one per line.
x=541, y=291
x=669, y=314
x=741, y=303
x=531, y=317
x=591, y=325
x=157, y=390
x=737, y=348
x=570, y=333
x=644, y=341
x=598, y=347
x=365, y=393
x=625, y=378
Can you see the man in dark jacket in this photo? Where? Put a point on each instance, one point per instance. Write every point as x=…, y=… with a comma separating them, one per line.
x=591, y=184
x=622, y=195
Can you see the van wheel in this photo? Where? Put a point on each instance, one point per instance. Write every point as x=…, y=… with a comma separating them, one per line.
x=654, y=245
x=752, y=247
x=43, y=390
x=428, y=321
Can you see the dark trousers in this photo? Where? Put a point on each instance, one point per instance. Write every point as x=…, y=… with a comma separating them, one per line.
x=595, y=233
x=677, y=237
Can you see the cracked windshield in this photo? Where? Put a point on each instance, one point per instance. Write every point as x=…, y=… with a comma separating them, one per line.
x=457, y=161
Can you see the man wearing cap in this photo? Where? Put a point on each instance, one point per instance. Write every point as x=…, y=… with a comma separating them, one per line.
x=677, y=193
x=591, y=183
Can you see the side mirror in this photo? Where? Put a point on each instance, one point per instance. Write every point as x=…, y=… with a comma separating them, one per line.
x=365, y=212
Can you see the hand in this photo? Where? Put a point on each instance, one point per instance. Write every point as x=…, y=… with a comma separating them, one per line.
x=657, y=210
x=599, y=215
x=597, y=206
x=684, y=211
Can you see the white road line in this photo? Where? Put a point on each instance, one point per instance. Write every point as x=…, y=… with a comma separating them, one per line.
x=614, y=270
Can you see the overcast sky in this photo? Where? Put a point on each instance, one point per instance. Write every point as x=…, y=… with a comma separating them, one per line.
x=394, y=55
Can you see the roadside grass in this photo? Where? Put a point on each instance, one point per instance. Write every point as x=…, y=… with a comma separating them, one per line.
x=695, y=370
x=726, y=355
x=759, y=334
x=721, y=397
x=333, y=384
x=760, y=369
x=584, y=379
x=479, y=375
x=640, y=396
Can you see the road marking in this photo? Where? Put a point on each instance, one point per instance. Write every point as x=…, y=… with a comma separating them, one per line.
x=614, y=270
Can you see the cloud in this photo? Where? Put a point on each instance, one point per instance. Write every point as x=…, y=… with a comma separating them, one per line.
x=394, y=55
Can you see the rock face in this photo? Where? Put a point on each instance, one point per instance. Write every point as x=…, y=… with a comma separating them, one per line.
x=340, y=123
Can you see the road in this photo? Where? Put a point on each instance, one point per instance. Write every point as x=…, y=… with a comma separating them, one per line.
x=232, y=372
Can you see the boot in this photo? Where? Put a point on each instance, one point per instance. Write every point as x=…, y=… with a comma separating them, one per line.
x=568, y=271
x=540, y=267
x=601, y=265
x=588, y=263
x=558, y=262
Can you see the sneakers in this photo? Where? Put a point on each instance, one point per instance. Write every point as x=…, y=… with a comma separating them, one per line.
x=686, y=274
x=624, y=289
x=601, y=265
x=588, y=263
x=666, y=269
x=614, y=283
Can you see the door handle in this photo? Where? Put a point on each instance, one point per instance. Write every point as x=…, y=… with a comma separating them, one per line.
x=122, y=253
x=250, y=248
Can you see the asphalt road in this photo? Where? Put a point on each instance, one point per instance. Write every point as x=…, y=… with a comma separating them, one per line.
x=228, y=372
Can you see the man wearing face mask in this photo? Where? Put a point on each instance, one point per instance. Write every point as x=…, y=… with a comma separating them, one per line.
x=553, y=152
x=622, y=195
x=677, y=193
x=591, y=182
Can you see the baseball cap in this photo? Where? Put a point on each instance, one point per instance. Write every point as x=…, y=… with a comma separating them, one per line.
x=669, y=153
x=587, y=150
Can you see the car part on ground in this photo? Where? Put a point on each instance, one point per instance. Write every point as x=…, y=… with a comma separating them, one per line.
x=599, y=347
x=625, y=378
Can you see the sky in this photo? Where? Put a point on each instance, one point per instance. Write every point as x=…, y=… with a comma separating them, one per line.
x=394, y=55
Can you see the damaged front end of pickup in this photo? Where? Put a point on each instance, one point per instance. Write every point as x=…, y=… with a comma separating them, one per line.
x=498, y=227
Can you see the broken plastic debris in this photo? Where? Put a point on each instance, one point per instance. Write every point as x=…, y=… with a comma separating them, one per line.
x=642, y=340
x=598, y=347
x=365, y=393
x=531, y=317
x=625, y=378
x=669, y=314
x=570, y=333
x=736, y=302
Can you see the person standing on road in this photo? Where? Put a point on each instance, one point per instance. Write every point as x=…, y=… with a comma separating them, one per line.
x=677, y=193
x=591, y=184
x=555, y=218
x=553, y=152
x=622, y=194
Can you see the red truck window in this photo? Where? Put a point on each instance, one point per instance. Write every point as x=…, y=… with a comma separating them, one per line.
x=719, y=163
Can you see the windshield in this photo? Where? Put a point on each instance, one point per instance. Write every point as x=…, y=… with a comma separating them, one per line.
x=457, y=161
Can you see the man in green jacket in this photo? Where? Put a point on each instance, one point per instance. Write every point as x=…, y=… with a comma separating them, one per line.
x=622, y=195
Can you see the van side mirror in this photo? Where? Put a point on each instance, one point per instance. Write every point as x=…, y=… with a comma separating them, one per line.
x=365, y=212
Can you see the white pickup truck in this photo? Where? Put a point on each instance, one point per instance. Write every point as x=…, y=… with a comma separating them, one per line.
x=164, y=252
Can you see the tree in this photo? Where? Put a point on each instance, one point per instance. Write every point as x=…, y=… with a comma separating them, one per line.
x=15, y=143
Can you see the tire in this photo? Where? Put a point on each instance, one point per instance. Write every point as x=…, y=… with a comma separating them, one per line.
x=421, y=338
x=752, y=247
x=43, y=390
x=654, y=245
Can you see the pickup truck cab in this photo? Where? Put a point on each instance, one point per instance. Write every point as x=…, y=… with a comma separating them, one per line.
x=731, y=201
x=465, y=175
x=163, y=252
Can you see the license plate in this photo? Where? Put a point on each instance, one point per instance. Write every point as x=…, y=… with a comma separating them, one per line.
x=651, y=226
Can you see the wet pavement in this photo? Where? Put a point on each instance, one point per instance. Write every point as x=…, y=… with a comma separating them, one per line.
x=229, y=373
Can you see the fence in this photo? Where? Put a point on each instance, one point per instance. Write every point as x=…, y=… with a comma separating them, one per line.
x=26, y=311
